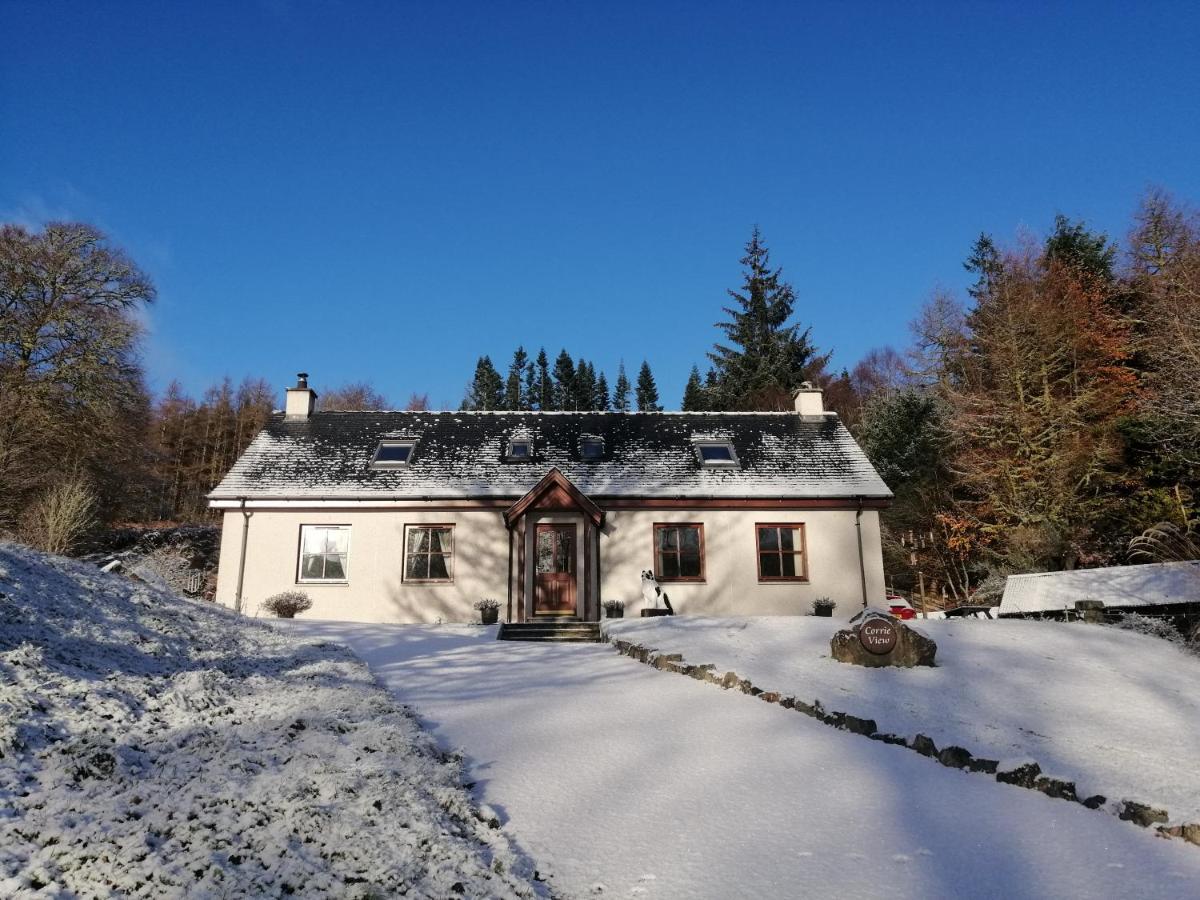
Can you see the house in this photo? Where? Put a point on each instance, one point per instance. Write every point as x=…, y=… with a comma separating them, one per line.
x=414, y=516
x=1154, y=589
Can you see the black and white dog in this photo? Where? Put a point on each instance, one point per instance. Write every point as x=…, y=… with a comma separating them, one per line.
x=652, y=592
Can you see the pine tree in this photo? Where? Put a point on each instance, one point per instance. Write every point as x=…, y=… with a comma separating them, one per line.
x=620, y=400
x=693, y=395
x=601, y=401
x=513, y=398
x=564, y=381
x=986, y=264
x=584, y=386
x=486, y=391
x=766, y=359
x=647, y=390
x=529, y=395
x=545, y=387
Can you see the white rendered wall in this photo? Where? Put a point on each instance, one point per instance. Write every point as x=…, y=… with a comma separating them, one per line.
x=731, y=586
x=375, y=591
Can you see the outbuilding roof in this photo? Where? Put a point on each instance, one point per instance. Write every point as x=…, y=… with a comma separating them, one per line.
x=462, y=455
x=1117, y=587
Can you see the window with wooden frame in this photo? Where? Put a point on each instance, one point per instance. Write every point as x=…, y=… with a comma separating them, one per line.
x=679, y=552
x=324, y=553
x=519, y=450
x=781, y=552
x=428, y=554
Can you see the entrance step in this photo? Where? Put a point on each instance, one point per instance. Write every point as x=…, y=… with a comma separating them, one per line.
x=552, y=631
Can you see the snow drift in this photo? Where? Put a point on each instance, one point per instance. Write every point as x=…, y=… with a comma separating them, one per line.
x=155, y=746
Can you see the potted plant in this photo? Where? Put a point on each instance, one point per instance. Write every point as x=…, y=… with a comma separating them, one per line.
x=614, y=609
x=288, y=603
x=489, y=610
x=823, y=606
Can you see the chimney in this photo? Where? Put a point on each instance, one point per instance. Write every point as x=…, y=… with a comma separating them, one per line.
x=808, y=400
x=300, y=399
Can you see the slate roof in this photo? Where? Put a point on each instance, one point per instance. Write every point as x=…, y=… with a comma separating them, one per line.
x=460, y=455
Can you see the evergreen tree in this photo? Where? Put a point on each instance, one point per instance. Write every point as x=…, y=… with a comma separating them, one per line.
x=987, y=266
x=545, y=387
x=766, y=359
x=1072, y=244
x=584, y=386
x=620, y=400
x=513, y=398
x=601, y=402
x=693, y=395
x=486, y=391
x=530, y=391
x=564, y=381
x=647, y=390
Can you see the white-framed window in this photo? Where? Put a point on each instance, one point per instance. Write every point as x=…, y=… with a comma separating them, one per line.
x=519, y=450
x=324, y=553
x=428, y=554
x=392, y=454
x=716, y=454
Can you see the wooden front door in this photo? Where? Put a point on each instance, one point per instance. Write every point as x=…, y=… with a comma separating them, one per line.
x=554, y=571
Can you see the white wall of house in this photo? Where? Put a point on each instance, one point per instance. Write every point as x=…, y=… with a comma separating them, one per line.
x=731, y=586
x=376, y=592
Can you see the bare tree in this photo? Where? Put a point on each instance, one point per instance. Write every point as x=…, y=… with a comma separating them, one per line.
x=57, y=520
x=355, y=395
x=417, y=402
x=72, y=396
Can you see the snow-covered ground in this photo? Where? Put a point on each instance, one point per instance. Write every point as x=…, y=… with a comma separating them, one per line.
x=152, y=746
x=1118, y=713
x=624, y=781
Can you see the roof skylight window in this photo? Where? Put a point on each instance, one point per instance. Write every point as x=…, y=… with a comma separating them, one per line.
x=519, y=450
x=591, y=448
x=393, y=454
x=716, y=454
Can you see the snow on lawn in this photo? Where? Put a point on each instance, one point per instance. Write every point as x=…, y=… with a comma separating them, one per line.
x=1116, y=712
x=156, y=747
x=625, y=781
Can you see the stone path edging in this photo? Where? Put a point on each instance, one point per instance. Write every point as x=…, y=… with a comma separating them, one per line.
x=1027, y=775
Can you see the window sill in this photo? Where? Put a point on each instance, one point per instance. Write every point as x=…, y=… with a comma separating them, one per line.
x=313, y=581
x=427, y=581
x=782, y=580
x=662, y=580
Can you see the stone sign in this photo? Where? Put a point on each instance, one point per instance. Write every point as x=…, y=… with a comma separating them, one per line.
x=877, y=636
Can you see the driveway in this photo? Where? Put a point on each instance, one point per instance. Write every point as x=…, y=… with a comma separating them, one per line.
x=623, y=781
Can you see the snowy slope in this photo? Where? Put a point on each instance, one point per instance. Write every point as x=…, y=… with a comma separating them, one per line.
x=627, y=782
x=156, y=747
x=1113, y=711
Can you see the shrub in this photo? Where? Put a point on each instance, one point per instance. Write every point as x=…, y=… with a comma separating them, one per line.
x=823, y=603
x=287, y=604
x=57, y=520
x=614, y=606
x=487, y=603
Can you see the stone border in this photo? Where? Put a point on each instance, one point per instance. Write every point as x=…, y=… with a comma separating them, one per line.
x=1027, y=775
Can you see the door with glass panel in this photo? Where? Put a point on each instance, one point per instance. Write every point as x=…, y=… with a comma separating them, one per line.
x=554, y=571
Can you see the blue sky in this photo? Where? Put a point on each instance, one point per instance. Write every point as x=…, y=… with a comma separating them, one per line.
x=385, y=191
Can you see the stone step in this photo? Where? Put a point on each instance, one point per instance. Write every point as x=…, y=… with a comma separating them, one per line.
x=556, y=631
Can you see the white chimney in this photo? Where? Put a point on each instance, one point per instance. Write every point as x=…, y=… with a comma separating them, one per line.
x=300, y=399
x=808, y=400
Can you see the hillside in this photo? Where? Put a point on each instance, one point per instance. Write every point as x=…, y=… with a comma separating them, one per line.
x=156, y=746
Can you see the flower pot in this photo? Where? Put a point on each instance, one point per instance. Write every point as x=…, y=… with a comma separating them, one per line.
x=826, y=611
x=614, y=613
x=649, y=613
x=489, y=616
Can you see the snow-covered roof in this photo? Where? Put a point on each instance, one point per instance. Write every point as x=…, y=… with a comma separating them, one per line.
x=462, y=455
x=1155, y=584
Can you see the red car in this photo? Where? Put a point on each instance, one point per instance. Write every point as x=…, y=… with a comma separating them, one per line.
x=900, y=608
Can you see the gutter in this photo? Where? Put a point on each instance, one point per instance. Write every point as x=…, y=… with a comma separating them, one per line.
x=237, y=597
x=862, y=566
